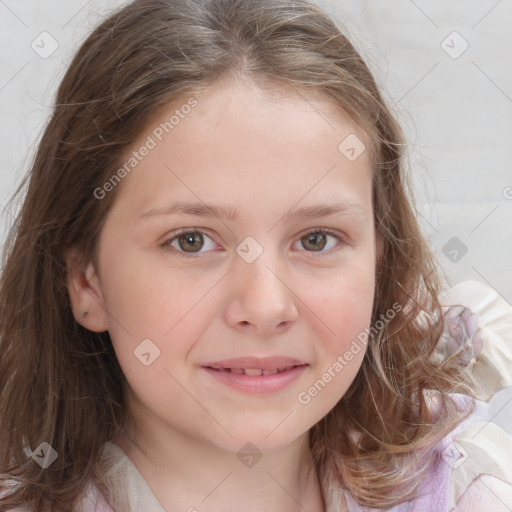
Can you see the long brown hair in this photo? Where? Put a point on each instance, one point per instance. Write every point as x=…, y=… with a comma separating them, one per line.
x=61, y=383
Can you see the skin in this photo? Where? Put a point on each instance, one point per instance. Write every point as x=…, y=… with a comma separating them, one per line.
x=263, y=152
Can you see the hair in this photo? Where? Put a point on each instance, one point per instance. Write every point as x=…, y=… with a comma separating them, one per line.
x=61, y=383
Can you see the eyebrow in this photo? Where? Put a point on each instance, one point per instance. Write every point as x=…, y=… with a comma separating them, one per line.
x=232, y=214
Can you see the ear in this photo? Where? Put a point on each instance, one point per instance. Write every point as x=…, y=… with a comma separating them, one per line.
x=85, y=293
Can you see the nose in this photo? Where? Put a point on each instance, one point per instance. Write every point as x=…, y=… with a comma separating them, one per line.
x=261, y=300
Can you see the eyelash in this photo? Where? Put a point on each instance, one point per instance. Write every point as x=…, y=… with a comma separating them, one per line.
x=188, y=231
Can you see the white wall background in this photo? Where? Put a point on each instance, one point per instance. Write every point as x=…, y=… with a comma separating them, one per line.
x=457, y=109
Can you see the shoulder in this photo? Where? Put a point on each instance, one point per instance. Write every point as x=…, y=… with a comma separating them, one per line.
x=123, y=485
x=94, y=501
x=480, y=451
x=470, y=468
x=486, y=494
x=480, y=456
x=491, y=369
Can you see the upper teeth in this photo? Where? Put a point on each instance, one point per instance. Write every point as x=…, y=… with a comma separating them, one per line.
x=256, y=371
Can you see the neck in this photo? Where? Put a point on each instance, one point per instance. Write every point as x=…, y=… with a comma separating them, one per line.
x=191, y=474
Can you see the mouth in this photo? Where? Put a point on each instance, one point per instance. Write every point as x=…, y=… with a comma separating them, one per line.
x=257, y=375
x=254, y=371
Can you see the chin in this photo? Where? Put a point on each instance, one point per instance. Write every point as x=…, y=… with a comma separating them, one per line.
x=265, y=439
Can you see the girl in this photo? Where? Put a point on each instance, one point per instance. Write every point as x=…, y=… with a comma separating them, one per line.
x=216, y=293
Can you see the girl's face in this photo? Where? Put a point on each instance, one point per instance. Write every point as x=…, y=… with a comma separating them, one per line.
x=203, y=323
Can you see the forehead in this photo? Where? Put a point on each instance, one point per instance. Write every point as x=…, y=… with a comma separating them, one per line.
x=252, y=100
x=244, y=140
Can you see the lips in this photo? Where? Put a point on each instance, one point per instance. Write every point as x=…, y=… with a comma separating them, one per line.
x=255, y=366
x=253, y=371
x=256, y=375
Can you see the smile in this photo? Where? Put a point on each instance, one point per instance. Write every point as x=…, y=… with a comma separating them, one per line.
x=254, y=371
x=256, y=375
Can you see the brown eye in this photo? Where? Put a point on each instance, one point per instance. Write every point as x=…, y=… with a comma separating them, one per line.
x=322, y=241
x=314, y=241
x=190, y=242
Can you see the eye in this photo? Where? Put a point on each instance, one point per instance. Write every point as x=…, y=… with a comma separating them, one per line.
x=188, y=242
x=315, y=240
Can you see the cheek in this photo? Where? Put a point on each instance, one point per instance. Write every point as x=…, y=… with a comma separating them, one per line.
x=144, y=299
x=347, y=303
x=345, y=309
x=155, y=318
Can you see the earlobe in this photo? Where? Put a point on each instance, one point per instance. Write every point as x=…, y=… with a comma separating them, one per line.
x=85, y=293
